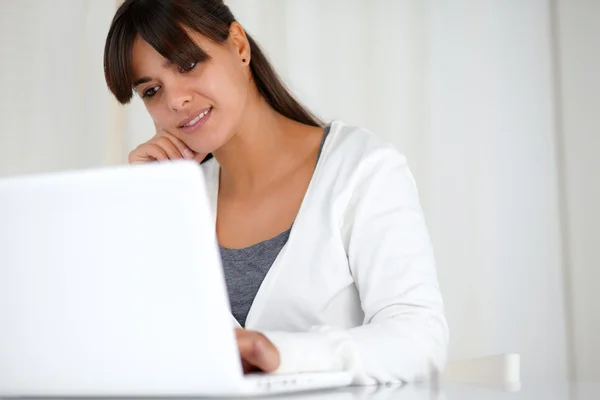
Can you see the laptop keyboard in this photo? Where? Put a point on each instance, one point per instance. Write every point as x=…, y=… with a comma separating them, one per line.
x=278, y=382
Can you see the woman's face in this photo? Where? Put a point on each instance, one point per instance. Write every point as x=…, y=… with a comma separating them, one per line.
x=202, y=106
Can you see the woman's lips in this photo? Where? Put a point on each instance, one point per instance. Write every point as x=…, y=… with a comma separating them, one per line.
x=195, y=122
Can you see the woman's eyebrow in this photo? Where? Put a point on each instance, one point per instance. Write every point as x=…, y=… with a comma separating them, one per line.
x=144, y=79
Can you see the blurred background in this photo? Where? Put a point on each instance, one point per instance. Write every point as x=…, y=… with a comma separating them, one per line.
x=496, y=104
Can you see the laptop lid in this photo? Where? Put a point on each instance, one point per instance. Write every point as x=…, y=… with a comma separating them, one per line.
x=111, y=284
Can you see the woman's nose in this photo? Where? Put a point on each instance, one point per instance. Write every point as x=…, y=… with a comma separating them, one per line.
x=179, y=98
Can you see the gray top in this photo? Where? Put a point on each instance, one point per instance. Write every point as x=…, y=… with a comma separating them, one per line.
x=246, y=268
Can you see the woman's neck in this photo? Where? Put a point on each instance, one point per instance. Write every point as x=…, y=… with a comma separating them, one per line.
x=262, y=150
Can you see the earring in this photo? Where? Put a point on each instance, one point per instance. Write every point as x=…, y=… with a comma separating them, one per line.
x=244, y=60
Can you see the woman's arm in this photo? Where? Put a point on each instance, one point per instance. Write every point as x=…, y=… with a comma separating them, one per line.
x=405, y=335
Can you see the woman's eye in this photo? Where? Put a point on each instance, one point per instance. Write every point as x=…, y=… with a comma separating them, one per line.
x=189, y=67
x=150, y=92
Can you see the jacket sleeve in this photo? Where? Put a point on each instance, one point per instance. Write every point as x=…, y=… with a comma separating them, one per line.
x=404, y=337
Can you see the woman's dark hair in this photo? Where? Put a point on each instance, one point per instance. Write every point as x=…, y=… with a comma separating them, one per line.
x=163, y=23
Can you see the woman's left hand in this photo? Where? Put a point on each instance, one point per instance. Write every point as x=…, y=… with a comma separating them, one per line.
x=257, y=352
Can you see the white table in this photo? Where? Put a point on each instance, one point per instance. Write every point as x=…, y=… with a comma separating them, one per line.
x=533, y=391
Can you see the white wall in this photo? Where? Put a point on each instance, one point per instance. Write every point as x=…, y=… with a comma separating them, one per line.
x=579, y=63
x=54, y=108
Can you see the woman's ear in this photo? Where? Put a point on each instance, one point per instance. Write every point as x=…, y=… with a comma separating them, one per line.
x=240, y=42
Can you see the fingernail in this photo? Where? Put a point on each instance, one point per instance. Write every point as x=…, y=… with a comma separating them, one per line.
x=188, y=154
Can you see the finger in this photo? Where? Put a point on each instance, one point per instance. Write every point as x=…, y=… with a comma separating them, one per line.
x=183, y=149
x=168, y=147
x=264, y=356
x=257, y=351
x=156, y=152
x=147, y=152
x=248, y=368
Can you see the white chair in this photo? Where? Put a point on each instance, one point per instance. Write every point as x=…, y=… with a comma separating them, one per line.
x=501, y=371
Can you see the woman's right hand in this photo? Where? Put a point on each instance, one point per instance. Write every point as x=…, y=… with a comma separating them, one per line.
x=162, y=147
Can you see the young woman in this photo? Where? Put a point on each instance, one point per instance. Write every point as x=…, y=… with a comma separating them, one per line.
x=325, y=252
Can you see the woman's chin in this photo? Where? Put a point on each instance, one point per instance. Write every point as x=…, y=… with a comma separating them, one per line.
x=204, y=146
x=208, y=142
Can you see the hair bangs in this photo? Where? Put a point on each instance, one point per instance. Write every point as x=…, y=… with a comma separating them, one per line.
x=161, y=28
x=171, y=40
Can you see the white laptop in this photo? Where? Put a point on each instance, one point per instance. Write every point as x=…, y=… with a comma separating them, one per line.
x=111, y=285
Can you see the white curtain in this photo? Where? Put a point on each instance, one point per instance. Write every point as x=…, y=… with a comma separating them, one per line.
x=464, y=88
x=579, y=125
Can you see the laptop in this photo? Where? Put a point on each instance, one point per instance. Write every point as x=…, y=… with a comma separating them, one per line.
x=111, y=285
